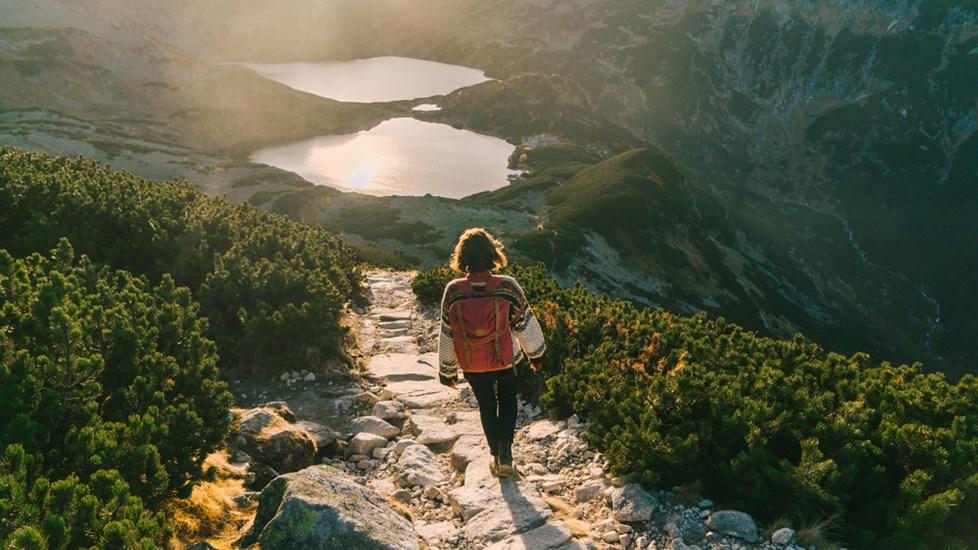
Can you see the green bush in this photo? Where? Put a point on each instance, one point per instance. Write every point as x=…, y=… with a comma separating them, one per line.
x=272, y=288
x=109, y=401
x=771, y=426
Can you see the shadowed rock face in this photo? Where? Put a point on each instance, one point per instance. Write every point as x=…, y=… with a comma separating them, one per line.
x=319, y=508
x=271, y=438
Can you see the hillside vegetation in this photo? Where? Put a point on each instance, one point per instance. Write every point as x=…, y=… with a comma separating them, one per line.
x=109, y=402
x=772, y=426
x=119, y=299
x=272, y=288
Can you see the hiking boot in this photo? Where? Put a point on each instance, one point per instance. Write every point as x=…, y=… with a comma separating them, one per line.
x=494, y=466
x=505, y=459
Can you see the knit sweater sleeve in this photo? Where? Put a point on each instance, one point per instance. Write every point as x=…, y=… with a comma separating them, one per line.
x=525, y=326
x=447, y=360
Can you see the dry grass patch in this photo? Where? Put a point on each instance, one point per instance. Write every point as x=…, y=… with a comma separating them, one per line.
x=209, y=513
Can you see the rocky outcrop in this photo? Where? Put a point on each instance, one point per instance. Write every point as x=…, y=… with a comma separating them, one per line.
x=269, y=437
x=320, y=508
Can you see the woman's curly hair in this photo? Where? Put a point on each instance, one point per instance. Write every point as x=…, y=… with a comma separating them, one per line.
x=477, y=250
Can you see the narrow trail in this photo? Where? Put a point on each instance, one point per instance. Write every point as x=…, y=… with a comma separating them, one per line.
x=442, y=475
x=419, y=447
x=436, y=470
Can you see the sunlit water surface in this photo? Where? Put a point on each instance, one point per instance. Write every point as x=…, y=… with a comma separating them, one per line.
x=400, y=156
x=373, y=80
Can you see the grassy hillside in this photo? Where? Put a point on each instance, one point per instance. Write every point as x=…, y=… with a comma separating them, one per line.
x=777, y=427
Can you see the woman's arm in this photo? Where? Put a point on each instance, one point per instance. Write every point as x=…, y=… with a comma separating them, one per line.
x=447, y=361
x=527, y=329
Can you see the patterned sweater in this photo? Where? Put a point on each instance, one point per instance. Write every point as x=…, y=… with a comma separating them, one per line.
x=527, y=334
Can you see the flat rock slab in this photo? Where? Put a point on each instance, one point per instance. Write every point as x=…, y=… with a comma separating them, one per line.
x=436, y=432
x=542, y=429
x=549, y=536
x=495, y=508
x=468, y=448
x=395, y=366
x=419, y=467
x=412, y=379
x=396, y=344
x=395, y=315
x=433, y=533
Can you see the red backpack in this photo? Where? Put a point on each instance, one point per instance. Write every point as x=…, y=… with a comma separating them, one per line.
x=480, y=328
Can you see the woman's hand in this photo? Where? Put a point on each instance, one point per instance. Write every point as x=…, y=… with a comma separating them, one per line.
x=446, y=381
x=536, y=364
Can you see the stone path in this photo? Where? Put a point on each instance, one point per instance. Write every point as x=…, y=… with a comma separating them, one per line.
x=473, y=509
x=420, y=445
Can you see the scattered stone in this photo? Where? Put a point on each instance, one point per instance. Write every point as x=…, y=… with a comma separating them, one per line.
x=596, y=473
x=610, y=536
x=373, y=425
x=705, y=504
x=734, y=524
x=388, y=410
x=418, y=467
x=403, y=444
x=309, y=377
x=381, y=453
x=246, y=499
x=631, y=503
x=785, y=535
x=318, y=508
x=542, y=429
x=364, y=443
x=440, y=531
x=588, y=491
x=258, y=476
x=552, y=487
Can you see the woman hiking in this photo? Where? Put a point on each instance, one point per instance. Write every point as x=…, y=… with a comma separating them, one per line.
x=484, y=317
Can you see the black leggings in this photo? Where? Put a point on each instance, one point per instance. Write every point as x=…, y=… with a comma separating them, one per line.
x=496, y=393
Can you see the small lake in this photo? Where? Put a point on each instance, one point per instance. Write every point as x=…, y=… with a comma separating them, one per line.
x=400, y=156
x=373, y=80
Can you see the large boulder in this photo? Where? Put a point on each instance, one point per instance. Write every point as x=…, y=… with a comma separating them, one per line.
x=631, y=503
x=273, y=440
x=495, y=508
x=734, y=524
x=329, y=442
x=319, y=508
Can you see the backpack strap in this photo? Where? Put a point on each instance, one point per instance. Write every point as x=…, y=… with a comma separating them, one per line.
x=464, y=286
x=460, y=326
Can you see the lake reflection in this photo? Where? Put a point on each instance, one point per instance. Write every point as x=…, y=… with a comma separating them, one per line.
x=401, y=156
x=376, y=79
